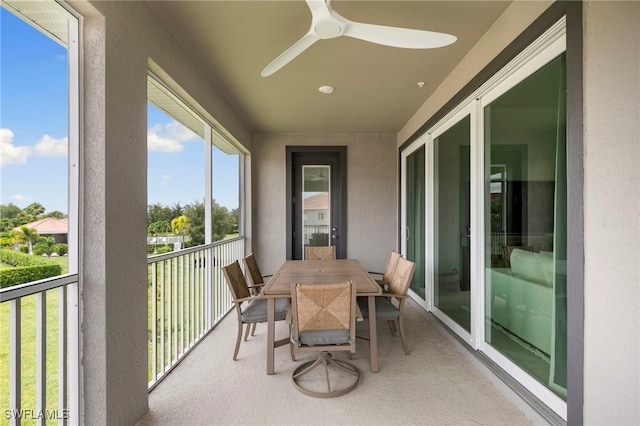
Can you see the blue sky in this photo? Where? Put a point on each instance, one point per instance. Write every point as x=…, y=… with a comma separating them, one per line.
x=33, y=132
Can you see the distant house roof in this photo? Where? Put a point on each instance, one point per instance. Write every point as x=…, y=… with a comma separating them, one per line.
x=317, y=202
x=48, y=226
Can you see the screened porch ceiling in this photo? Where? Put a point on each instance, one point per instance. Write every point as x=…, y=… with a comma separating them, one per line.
x=376, y=87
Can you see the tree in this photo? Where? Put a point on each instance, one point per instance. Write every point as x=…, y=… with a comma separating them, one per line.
x=32, y=212
x=195, y=213
x=179, y=225
x=56, y=214
x=159, y=228
x=6, y=239
x=159, y=213
x=9, y=211
x=6, y=225
x=10, y=217
x=28, y=235
x=223, y=222
x=46, y=245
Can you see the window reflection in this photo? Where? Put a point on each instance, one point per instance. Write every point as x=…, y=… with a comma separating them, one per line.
x=526, y=231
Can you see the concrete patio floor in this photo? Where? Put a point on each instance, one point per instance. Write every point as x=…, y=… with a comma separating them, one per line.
x=438, y=383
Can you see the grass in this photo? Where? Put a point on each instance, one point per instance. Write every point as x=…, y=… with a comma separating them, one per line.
x=28, y=357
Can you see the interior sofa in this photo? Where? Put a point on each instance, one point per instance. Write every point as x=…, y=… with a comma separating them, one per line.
x=522, y=296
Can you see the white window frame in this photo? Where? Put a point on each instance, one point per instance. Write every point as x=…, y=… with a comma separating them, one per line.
x=538, y=54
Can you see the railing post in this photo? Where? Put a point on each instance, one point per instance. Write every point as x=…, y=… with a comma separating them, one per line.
x=193, y=303
x=15, y=345
x=41, y=354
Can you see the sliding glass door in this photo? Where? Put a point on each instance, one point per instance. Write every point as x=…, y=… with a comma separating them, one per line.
x=414, y=217
x=451, y=221
x=484, y=210
x=525, y=224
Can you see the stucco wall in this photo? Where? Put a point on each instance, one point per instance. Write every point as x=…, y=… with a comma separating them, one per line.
x=120, y=38
x=611, y=192
x=612, y=213
x=372, y=199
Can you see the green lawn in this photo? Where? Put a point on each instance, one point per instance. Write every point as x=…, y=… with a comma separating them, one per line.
x=28, y=358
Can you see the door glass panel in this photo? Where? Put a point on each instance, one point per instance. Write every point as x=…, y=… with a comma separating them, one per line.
x=525, y=225
x=452, y=294
x=415, y=217
x=316, y=217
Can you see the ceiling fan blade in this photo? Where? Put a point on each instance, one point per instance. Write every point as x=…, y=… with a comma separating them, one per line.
x=398, y=37
x=288, y=55
x=318, y=7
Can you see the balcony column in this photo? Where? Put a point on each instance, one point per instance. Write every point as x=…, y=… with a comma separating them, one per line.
x=113, y=228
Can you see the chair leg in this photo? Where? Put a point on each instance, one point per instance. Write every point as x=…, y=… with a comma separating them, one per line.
x=253, y=329
x=402, y=336
x=246, y=332
x=392, y=327
x=235, y=352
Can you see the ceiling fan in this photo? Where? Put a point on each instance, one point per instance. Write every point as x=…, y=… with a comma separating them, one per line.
x=326, y=23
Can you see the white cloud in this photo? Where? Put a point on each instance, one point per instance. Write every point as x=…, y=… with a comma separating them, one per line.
x=158, y=143
x=21, y=199
x=51, y=147
x=46, y=147
x=166, y=179
x=169, y=138
x=9, y=153
x=177, y=131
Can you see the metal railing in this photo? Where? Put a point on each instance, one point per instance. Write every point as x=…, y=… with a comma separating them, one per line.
x=187, y=298
x=42, y=344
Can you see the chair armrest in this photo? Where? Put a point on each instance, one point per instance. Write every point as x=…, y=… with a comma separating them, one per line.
x=392, y=295
x=255, y=288
x=255, y=285
x=359, y=316
x=250, y=298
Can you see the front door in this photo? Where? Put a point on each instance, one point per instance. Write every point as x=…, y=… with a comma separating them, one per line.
x=316, y=199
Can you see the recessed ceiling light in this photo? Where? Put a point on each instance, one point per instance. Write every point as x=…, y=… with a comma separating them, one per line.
x=420, y=83
x=326, y=89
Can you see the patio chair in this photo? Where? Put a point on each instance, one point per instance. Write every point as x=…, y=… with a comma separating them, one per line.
x=323, y=320
x=390, y=304
x=255, y=275
x=255, y=306
x=320, y=253
x=256, y=278
x=386, y=276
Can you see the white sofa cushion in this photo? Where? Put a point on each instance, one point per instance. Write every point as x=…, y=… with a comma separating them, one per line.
x=536, y=267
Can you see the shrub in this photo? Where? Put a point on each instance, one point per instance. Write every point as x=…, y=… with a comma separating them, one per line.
x=61, y=249
x=21, y=275
x=165, y=249
x=159, y=248
x=27, y=268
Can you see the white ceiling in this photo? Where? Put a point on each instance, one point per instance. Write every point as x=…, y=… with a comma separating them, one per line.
x=376, y=87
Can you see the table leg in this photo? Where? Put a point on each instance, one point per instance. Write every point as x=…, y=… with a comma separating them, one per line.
x=373, y=334
x=271, y=333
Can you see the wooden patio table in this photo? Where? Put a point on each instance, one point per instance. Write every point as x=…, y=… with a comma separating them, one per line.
x=321, y=272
